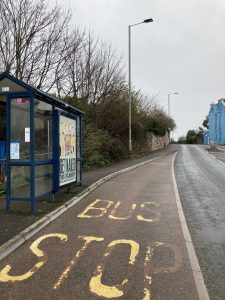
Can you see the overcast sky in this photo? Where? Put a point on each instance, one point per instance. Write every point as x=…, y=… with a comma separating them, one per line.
x=183, y=50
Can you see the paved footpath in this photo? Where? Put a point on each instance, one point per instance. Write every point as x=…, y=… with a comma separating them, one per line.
x=122, y=241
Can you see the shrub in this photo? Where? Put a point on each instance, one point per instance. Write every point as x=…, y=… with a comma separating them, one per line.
x=159, y=123
x=99, y=147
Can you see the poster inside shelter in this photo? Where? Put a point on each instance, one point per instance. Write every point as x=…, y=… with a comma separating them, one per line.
x=14, y=150
x=67, y=141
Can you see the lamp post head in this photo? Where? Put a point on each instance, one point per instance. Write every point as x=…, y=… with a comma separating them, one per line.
x=176, y=93
x=148, y=20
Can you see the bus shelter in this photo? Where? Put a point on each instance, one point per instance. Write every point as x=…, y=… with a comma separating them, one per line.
x=40, y=142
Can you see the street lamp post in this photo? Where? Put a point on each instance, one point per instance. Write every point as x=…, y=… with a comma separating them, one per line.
x=129, y=76
x=176, y=93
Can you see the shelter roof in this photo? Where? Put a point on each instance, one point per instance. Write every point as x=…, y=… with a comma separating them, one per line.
x=40, y=93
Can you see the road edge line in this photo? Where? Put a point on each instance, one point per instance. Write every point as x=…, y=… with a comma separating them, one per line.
x=197, y=273
x=19, y=239
x=223, y=163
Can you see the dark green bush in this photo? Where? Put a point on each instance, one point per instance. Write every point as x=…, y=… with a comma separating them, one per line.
x=99, y=147
x=95, y=159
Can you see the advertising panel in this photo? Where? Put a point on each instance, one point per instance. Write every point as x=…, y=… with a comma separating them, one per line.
x=67, y=142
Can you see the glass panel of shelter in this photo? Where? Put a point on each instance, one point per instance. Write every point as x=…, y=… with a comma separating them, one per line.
x=43, y=147
x=20, y=181
x=2, y=138
x=43, y=130
x=20, y=129
x=18, y=117
x=43, y=179
x=19, y=147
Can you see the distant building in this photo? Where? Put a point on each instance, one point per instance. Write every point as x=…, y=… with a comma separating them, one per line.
x=216, y=131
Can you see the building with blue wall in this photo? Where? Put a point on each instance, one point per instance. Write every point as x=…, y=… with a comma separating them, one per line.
x=206, y=138
x=216, y=131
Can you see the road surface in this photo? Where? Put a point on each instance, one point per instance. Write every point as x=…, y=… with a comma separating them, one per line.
x=123, y=241
x=201, y=184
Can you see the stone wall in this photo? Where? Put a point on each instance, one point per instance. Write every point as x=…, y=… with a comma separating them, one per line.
x=157, y=142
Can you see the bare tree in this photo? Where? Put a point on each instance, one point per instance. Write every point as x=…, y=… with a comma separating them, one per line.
x=33, y=40
x=69, y=79
x=93, y=70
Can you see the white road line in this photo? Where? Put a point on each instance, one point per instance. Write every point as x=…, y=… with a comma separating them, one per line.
x=215, y=157
x=161, y=164
x=199, y=281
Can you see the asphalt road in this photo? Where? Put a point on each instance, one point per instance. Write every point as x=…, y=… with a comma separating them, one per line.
x=20, y=210
x=219, y=154
x=201, y=184
x=123, y=241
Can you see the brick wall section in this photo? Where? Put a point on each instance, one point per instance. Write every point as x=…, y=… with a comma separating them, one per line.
x=157, y=142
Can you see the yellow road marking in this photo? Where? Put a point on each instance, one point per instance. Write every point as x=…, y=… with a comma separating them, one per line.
x=102, y=210
x=5, y=277
x=112, y=214
x=157, y=214
x=102, y=290
x=88, y=240
x=147, y=206
x=147, y=277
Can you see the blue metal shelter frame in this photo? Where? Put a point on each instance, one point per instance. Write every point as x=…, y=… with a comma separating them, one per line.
x=58, y=108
